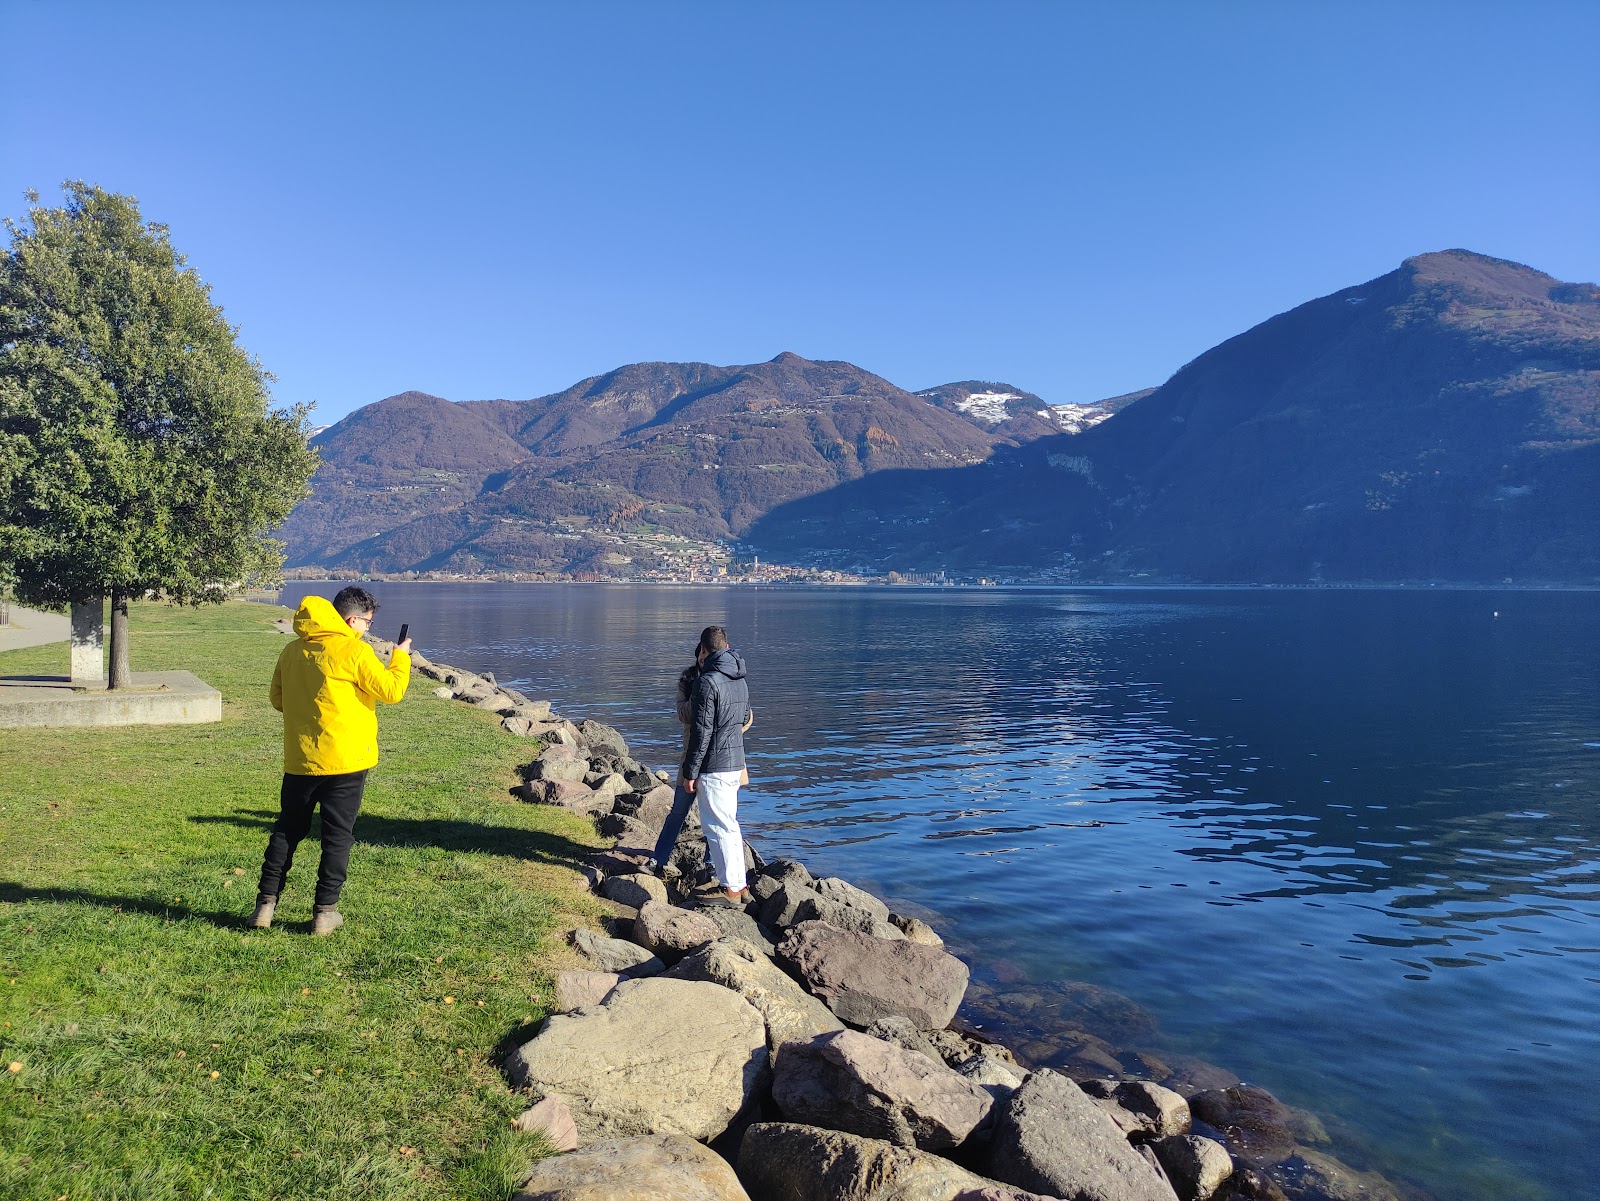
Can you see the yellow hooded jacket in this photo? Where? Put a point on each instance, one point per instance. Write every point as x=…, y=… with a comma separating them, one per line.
x=327, y=685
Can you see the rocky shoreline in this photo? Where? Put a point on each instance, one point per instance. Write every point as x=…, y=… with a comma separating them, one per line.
x=807, y=1046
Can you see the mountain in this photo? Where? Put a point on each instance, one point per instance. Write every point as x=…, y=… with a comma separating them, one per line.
x=640, y=468
x=1440, y=422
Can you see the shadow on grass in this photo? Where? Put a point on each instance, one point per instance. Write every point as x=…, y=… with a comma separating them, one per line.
x=17, y=894
x=531, y=845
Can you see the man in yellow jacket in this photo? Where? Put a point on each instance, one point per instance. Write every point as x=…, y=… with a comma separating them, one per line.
x=327, y=686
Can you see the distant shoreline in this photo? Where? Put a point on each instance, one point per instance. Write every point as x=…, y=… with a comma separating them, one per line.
x=882, y=586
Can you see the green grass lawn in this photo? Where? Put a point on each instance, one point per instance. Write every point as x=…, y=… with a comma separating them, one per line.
x=153, y=1047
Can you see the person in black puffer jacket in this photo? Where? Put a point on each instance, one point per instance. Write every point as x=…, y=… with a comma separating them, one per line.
x=714, y=759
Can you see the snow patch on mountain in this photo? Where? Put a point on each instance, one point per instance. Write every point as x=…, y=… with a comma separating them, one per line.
x=1074, y=419
x=988, y=407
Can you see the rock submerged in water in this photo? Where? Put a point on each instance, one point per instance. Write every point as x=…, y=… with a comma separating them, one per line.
x=647, y=1168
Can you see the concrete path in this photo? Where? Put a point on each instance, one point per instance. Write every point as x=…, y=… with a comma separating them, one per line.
x=30, y=627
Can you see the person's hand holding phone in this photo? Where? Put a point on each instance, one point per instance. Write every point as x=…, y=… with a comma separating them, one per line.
x=403, y=643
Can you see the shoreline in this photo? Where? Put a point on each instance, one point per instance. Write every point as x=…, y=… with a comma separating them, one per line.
x=1182, y=1117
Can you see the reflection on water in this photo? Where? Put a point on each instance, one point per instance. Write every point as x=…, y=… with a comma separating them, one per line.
x=1344, y=844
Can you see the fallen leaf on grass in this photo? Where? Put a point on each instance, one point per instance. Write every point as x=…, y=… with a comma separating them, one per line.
x=305, y=992
x=214, y=1075
x=408, y=1151
x=13, y=1066
x=449, y=1000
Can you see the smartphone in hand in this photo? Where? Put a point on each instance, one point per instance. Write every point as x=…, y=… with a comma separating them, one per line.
x=405, y=628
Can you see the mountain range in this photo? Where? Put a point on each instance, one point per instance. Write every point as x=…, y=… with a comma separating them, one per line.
x=1440, y=422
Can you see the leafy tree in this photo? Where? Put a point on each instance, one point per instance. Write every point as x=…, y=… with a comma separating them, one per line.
x=139, y=452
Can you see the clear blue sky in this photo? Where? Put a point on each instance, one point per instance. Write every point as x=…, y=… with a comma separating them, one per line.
x=483, y=200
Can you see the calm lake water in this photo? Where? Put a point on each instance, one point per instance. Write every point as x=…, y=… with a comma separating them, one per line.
x=1344, y=844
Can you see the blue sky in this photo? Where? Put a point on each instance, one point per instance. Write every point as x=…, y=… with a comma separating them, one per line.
x=483, y=200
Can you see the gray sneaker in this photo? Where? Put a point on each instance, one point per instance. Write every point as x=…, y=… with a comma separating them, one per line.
x=326, y=920
x=261, y=919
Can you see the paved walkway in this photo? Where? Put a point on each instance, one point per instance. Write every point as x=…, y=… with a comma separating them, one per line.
x=29, y=627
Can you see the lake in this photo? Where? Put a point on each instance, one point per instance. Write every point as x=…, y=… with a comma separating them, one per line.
x=1345, y=844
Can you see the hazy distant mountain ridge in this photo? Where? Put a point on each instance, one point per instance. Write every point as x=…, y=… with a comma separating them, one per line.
x=1439, y=422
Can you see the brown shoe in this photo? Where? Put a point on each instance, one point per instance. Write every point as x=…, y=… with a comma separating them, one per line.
x=261, y=919
x=326, y=919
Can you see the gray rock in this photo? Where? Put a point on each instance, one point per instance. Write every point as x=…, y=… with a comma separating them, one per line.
x=574, y=990
x=615, y=954
x=791, y=1013
x=844, y=917
x=636, y=891
x=916, y=930
x=650, y=806
x=557, y=763
x=611, y=785
x=844, y=893
x=520, y=726
x=904, y=1033
x=1141, y=1110
x=782, y=905
x=649, y=1168
x=657, y=1057
x=783, y=1161
x=853, y=1082
x=736, y=923
x=672, y=933
x=1197, y=1167
x=444, y=694
x=1052, y=1138
x=551, y=1118
x=792, y=870
x=862, y=978
x=534, y=711
x=998, y=1077
x=569, y=795
x=600, y=737
x=625, y=829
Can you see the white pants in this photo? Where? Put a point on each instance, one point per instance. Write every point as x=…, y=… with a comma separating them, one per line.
x=719, y=814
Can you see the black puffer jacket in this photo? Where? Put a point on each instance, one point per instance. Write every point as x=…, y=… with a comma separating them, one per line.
x=719, y=703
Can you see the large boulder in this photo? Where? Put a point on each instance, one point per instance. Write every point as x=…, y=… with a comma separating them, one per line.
x=1196, y=1166
x=1142, y=1110
x=635, y=891
x=845, y=917
x=1049, y=1136
x=670, y=932
x=782, y=1161
x=657, y=1056
x=558, y=763
x=736, y=923
x=648, y=1168
x=649, y=807
x=600, y=737
x=862, y=978
x=574, y=990
x=781, y=904
x=791, y=1013
x=915, y=929
x=853, y=1082
x=571, y=795
x=842, y=892
x=615, y=954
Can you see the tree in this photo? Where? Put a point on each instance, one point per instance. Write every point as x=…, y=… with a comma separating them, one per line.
x=139, y=451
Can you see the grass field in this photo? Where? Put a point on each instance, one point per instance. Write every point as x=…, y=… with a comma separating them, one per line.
x=153, y=1047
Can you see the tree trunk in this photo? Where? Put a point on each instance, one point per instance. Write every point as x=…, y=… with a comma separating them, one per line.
x=121, y=676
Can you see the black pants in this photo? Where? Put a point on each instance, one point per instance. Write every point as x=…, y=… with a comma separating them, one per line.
x=340, y=798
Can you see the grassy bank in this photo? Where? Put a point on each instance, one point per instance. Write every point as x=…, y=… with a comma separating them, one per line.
x=165, y=1050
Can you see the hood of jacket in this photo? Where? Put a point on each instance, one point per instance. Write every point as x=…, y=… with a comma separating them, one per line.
x=317, y=619
x=726, y=662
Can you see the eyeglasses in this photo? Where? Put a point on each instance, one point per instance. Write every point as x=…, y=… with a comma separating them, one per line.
x=364, y=619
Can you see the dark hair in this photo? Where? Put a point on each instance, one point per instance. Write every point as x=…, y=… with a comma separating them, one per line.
x=713, y=639
x=354, y=602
